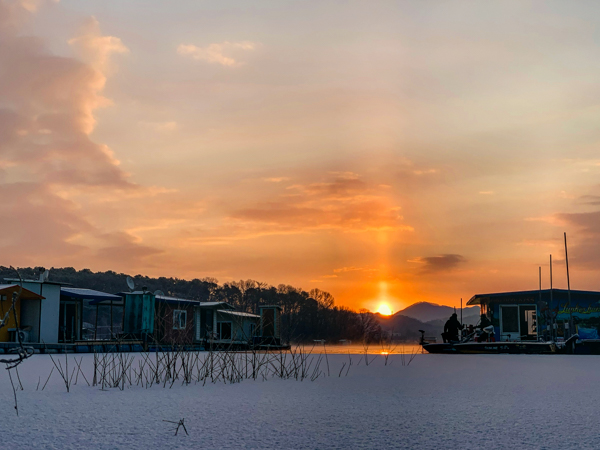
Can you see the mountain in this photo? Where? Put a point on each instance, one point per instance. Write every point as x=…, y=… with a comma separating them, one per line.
x=427, y=312
x=407, y=328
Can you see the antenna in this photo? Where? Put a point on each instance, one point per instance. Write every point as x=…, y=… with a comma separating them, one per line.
x=130, y=283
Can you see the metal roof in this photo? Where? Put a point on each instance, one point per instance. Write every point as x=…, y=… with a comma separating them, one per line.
x=209, y=304
x=135, y=293
x=476, y=299
x=60, y=283
x=238, y=313
x=167, y=299
x=27, y=291
x=88, y=294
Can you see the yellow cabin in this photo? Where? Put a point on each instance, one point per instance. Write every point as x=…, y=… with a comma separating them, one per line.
x=8, y=331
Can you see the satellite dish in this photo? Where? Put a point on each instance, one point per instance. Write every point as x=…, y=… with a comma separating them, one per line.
x=130, y=283
x=159, y=293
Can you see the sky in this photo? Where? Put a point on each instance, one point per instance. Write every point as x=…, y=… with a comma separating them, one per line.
x=384, y=151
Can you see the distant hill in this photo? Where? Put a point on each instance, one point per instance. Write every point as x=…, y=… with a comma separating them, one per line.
x=407, y=328
x=426, y=312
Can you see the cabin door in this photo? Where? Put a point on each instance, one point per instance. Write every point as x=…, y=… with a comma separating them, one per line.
x=68, y=322
x=509, y=323
x=518, y=322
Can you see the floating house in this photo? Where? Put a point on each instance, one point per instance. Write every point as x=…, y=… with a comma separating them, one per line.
x=174, y=319
x=87, y=315
x=28, y=303
x=270, y=325
x=236, y=327
x=548, y=313
x=139, y=313
x=218, y=324
x=45, y=313
x=58, y=317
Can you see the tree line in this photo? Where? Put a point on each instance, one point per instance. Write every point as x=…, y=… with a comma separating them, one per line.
x=306, y=316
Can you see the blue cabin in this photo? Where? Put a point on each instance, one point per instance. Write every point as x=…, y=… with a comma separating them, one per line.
x=541, y=314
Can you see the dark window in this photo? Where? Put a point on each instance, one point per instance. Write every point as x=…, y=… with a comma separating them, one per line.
x=224, y=330
x=510, y=319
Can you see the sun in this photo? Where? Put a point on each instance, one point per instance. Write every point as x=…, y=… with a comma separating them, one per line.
x=384, y=310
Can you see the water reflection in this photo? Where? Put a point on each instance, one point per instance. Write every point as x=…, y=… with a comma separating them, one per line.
x=395, y=348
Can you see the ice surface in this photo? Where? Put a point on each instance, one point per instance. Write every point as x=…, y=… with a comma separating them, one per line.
x=439, y=401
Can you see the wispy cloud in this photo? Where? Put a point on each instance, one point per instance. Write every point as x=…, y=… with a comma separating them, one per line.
x=343, y=201
x=276, y=179
x=217, y=53
x=438, y=264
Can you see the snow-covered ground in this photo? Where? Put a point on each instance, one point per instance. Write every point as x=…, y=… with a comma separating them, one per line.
x=438, y=401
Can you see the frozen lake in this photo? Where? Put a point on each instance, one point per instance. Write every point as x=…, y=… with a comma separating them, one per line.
x=438, y=401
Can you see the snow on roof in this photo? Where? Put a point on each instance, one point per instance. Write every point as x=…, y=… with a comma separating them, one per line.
x=209, y=304
x=88, y=294
x=239, y=313
x=167, y=299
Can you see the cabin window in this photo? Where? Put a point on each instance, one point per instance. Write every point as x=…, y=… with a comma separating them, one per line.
x=2, y=298
x=510, y=319
x=179, y=319
x=224, y=330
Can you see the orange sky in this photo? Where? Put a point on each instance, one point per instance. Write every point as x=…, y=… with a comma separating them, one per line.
x=383, y=151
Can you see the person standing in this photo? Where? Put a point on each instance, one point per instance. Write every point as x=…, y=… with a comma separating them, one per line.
x=451, y=328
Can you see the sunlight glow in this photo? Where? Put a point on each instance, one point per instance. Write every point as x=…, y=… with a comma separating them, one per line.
x=384, y=310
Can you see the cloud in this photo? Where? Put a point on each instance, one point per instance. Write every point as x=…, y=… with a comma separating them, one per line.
x=47, y=157
x=441, y=263
x=343, y=201
x=584, y=244
x=95, y=49
x=486, y=192
x=275, y=179
x=590, y=199
x=354, y=269
x=215, y=53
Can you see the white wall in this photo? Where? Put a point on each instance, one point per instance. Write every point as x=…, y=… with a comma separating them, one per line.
x=50, y=309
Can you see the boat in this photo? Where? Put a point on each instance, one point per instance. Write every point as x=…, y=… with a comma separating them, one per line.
x=470, y=345
x=492, y=347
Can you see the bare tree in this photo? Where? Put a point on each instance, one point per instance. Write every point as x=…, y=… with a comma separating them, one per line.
x=324, y=299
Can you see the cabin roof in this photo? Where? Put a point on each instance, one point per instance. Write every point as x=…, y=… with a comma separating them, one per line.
x=176, y=300
x=60, y=283
x=209, y=304
x=477, y=299
x=29, y=295
x=239, y=314
x=88, y=294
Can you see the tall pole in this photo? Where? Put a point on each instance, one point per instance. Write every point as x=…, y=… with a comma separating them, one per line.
x=550, y=306
x=537, y=315
x=568, y=288
x=461, y=310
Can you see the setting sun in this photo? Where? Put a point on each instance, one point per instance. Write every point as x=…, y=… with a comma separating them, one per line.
x=384, y=310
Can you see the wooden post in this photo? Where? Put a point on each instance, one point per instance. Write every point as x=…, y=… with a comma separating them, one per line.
x=96, y=324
